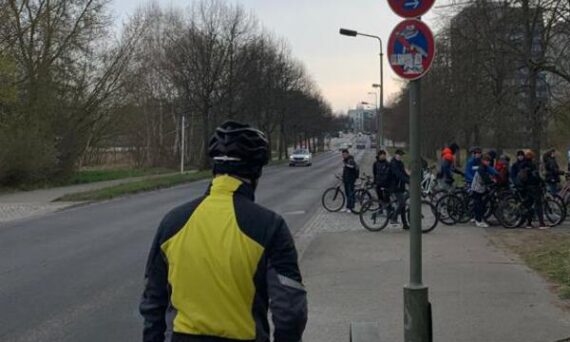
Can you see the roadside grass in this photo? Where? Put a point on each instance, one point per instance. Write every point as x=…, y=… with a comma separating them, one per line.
x=91, y=176
x=547, y=252
x=87, y=176
x=135, y=187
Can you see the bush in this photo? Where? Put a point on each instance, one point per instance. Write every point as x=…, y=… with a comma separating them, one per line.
x=25, y=157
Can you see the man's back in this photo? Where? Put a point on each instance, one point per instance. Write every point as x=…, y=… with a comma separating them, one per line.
x=222, y=257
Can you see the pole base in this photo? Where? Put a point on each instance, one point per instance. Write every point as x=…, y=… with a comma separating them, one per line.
x=417, y=314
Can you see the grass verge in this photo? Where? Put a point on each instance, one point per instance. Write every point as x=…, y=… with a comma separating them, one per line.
x=547, y=252
x=91, y=176
x=135, y=187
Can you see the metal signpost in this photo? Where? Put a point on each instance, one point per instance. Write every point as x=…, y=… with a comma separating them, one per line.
x=411, y=50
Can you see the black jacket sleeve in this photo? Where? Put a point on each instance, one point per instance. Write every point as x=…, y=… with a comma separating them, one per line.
x=287, y=295
x=374, y=170
x=399, y=173
x=155, y=296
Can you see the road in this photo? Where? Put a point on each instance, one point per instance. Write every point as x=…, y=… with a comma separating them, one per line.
x=77, y=275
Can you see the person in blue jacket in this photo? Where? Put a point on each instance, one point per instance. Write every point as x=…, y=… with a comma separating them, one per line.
x=472, y=165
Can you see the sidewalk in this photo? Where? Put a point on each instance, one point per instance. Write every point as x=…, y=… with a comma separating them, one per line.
x=31, y=203
x=478, y=292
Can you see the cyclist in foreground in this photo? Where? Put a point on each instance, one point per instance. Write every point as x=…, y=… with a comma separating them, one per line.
x=218, y=263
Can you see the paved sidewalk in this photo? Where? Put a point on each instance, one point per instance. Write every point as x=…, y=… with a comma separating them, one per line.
x=23, y=204
x=478, y=292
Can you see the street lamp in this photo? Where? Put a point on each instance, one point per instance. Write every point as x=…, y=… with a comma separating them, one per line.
x=380, y=133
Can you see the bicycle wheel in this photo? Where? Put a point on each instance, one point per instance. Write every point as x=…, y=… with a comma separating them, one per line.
x=468, y=205
x=361, y=196
x=563, y=204
x=333, y=199
x=435, y=196
x=449, y=208
x=374, y=215
x=554, y=211
x=510, y=212
x=429, y=216
x=490, y=216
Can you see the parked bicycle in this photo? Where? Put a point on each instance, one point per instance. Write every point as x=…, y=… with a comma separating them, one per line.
x=514, y=210
x=375, y=215
x=334, y=198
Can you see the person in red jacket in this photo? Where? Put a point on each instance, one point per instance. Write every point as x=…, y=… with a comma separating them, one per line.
x=502, y=167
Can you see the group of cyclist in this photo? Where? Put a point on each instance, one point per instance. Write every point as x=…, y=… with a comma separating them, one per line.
x=483, y=170
x=390, y=178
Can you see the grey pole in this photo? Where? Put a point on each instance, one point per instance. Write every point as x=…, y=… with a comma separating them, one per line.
x=182, y=144
x=380, y=117
x=417, y=311
x=377, y=112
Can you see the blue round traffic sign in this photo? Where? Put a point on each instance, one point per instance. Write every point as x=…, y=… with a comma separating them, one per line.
x=410, y=8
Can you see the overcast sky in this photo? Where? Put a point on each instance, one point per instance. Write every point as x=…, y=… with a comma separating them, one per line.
x=343, y=67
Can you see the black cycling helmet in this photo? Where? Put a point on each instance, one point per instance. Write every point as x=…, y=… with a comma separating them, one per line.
x=492, y=153
x=238, y=149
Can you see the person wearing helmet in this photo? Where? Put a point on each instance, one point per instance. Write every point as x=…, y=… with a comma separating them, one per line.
x=219, y=262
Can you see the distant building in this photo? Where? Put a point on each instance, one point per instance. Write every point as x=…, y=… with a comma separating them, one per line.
x=361, y=119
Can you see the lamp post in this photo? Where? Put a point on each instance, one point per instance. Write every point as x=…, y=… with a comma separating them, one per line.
x=380, y=117
x=380, y=133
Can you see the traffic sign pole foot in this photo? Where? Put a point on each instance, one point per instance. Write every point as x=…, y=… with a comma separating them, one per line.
x=417, y=314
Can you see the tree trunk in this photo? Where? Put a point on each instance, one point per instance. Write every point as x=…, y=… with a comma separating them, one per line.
x=205, y=138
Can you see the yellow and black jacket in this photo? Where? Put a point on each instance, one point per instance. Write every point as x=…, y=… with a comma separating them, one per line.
x=215, y=267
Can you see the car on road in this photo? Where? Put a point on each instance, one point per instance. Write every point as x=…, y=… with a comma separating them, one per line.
x=301, y=157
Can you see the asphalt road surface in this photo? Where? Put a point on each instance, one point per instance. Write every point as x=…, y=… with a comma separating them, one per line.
x=77, y=275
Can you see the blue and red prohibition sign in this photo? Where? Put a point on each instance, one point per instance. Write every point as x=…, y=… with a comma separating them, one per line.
x=411, y=49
